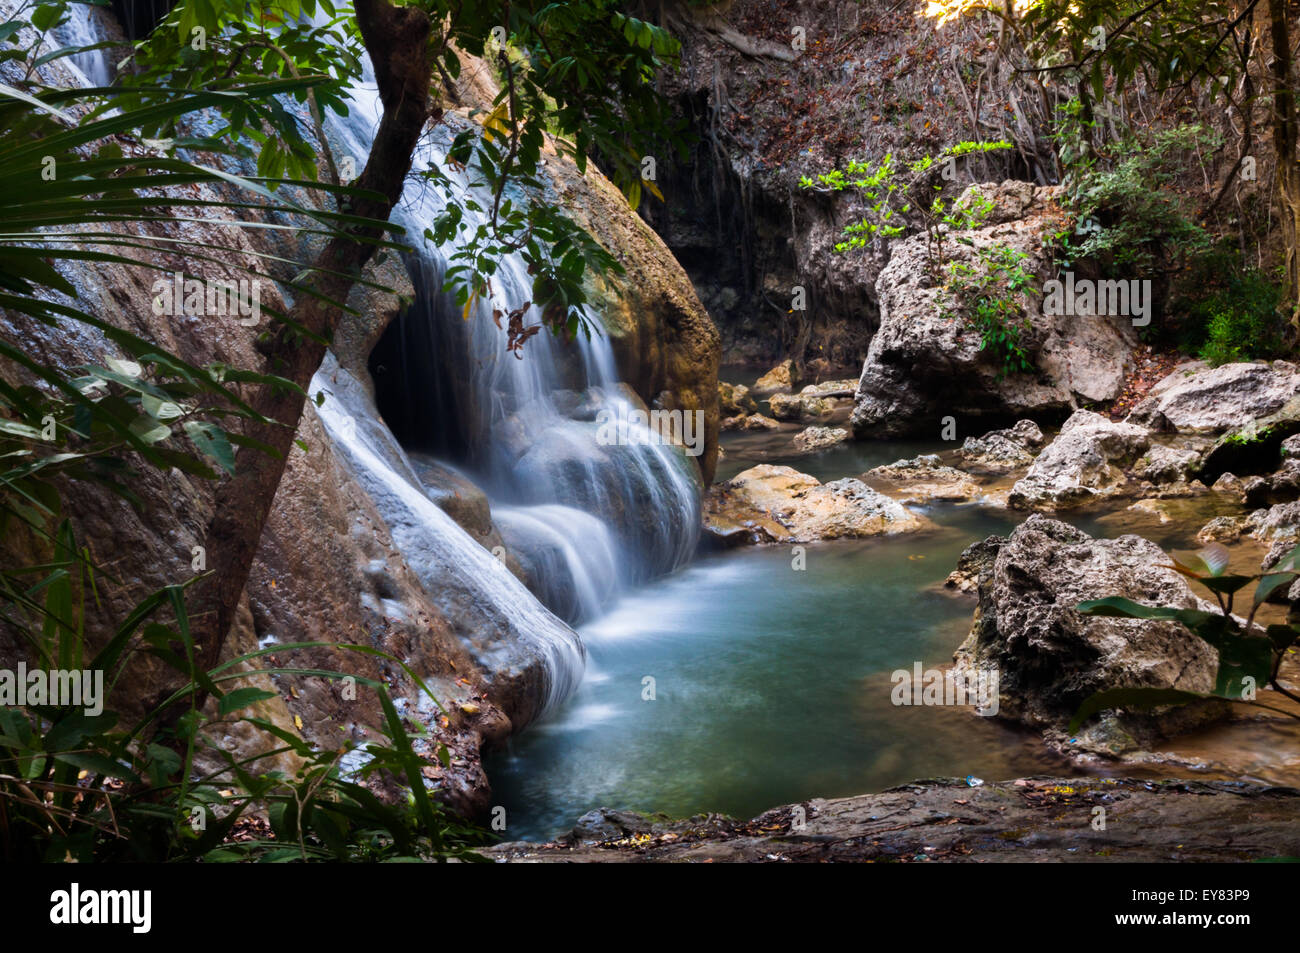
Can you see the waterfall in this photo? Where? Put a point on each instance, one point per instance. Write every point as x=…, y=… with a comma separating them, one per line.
x=586, y=519
x=599, y=515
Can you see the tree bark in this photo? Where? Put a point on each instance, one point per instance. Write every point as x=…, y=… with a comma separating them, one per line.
x=1284, y=149
x=397, y=40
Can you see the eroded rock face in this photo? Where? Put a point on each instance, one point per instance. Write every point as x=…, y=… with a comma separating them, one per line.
x=1085, y=463
x=924, y=479
x=1000, y=451
x=1198, y=398
x=924, y=364
x=775, y=504
x=1050, y=657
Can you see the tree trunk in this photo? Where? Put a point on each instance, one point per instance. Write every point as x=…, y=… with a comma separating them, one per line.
x=397, y=40
x=1284, y=150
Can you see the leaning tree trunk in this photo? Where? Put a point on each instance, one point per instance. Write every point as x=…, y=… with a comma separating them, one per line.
x=397, y=39
x=1284, y=150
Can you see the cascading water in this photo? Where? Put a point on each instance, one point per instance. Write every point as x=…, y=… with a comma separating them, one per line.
x=585, y=519
x=593, y=515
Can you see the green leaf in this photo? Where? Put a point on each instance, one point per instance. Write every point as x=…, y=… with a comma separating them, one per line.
x=1142, y=698
x=241, y=698
x=1270, y=584
x=1118, y=606
x=212, y=442
x=1282, y=636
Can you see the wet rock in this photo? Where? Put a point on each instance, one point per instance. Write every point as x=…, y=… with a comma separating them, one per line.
x=734, y=400
x=801, y=407
x=1085, y=463
x=1028, y=820
x=603, y=825
x=1050, y=657
x=1162, y=464
x=1222, y=529
x=778, y=379
x=925, y=363
x=1000, y=451
x=832, y=389
x=924, y=479
x=779, y=504
x=1196, y=397
x=1277, y=523
x=1229, y=485
x=975, y=561
x=752, y=422
x=819, y=438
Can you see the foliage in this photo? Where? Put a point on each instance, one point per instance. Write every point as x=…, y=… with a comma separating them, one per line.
x=77, y=786
x=876, y=185
x=577, y=69
x=1249, y=655
x=72, y=785
x=1130, y=214
x=1241, y=320
x=988, y=294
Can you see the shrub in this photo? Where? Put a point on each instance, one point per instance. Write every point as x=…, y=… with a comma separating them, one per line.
x=1240, y=321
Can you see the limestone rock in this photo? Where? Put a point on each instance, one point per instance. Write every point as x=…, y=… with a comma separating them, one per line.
x=770, y=503
x=924, y=364
x=819, y=438
x=1198, y=398
x=1050, y=657
x=778, y=379
x=924, y=479
x=801, y=407
x=734, y=400
x=1083, y=464
x=1000, y=451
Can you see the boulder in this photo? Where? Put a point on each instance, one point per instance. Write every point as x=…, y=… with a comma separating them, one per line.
x=734, y=400
x=751, y=422
x=924, y=479
x=1000, y=451
x=778, y=379
x=925, y=363
x=1162, y=464
x=1050, y=657
x=819, y=438
x=801, y=407
x=1198, y=398
x=834, y=389
x=767, y=503
x=1085, y=463
x=1222, y=529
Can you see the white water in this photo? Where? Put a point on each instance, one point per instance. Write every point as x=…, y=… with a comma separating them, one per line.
x=611, y=515
x=587, y=520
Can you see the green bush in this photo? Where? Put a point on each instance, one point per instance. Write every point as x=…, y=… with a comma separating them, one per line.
x=988, y=297
x=1131, y=215
x=1241, y=321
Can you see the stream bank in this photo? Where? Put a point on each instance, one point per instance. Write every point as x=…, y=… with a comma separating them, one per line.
x=1028, y=820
